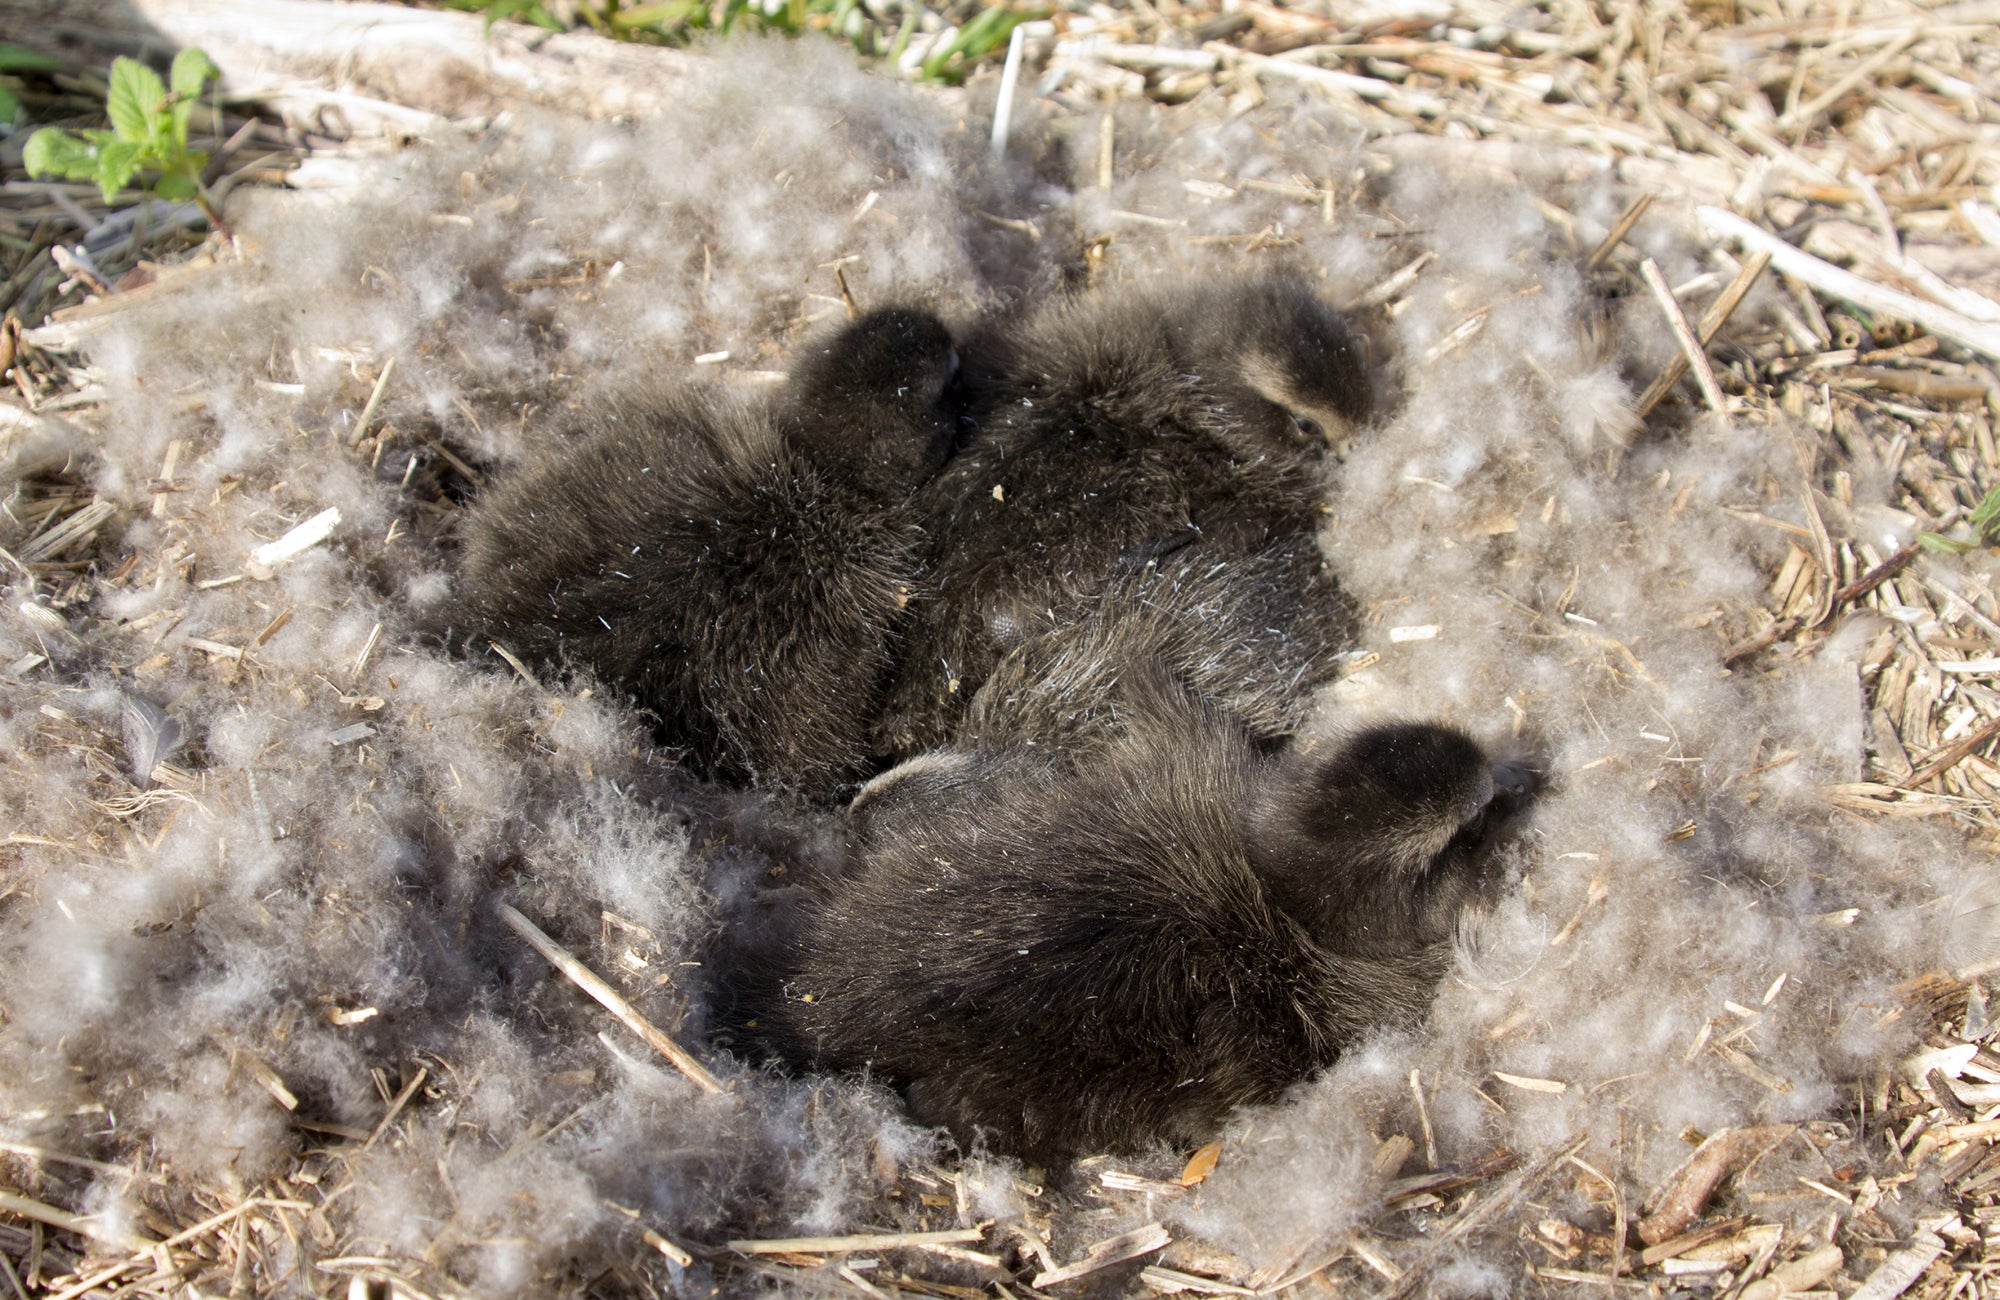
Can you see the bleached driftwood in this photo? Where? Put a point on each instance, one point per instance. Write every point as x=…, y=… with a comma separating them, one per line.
x=1693, y=179
x=445, y=63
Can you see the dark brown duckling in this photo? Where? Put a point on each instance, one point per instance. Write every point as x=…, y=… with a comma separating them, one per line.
x=1133, y=449
x=1071, y=959
x=739, y=568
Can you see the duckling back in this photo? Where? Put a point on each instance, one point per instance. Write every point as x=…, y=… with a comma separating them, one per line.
x=1131, y=446
x=1098, y=957
x=740, y=568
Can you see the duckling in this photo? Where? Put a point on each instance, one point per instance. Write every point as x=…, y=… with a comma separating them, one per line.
x=1071, y=959
x=1256, y=631
x=739, y=568
x=1139, y=440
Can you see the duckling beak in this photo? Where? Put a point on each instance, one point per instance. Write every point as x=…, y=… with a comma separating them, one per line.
x=1508, y=786
x=1514, y=781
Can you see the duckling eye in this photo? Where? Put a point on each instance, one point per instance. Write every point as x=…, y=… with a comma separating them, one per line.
x=1309, y=427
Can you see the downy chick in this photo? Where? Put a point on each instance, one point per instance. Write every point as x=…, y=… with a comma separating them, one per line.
x=739, y=568
x=1136, y=449
x=1077, y=959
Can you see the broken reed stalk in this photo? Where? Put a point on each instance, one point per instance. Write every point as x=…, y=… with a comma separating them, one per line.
x=1799, y=119
x=1500, y=1199
x=1918, y=383
x=1618, y=1210
x=1623, y=227
x=396, y=1107
x=514, y=662
x=587, y=980
x=1003, y=104
x=1712, y=321
x=1102, y=1255
x=1785, y=628
x=80, y=1224
x=1875, y=577
x=1392, y=286
x=1687, y=1241
x=1951, y=757
x=374, y=403
x=860, y=1241
x=846, y=295
x=1691, y=349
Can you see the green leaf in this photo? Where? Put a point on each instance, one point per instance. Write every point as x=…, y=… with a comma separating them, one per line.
x=19, y=58
x=902, y=38
x=976, y=39
x=192, y=70
x=134, y=101
x=177, y=186
x=655, y=15
x=50, y=152
x=1985, y=517
x=526, y=11
x=117, y=161
x=10, y=106
x=1939, y=544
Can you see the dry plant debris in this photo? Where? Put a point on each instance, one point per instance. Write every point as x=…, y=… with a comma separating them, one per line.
x=60, y=242
x=1855, y=147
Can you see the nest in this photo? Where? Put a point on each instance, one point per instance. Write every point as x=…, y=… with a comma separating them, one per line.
x=1785, y=215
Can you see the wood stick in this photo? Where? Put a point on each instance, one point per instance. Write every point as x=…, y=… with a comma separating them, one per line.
x=1621, y=228
x=1800, y=119
x=374, y=403
x=1112, y=1250
x=396, y=1106
x=1830, y=280
x=1501, y=1199
x=1785, y=628
x=1675, y=1203
x=1711, y=392
x=1732, y=296
x=1875, y=577
x=846, y=295
x=1919, y=383
x=860, y=1241
x=1712, y=321
x=81, y=1224
x=1950, y=757
x=587, y=980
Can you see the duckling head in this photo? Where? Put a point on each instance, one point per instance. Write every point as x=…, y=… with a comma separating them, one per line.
x=1283, y=361
x=876, y=402
x=1378, y=845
